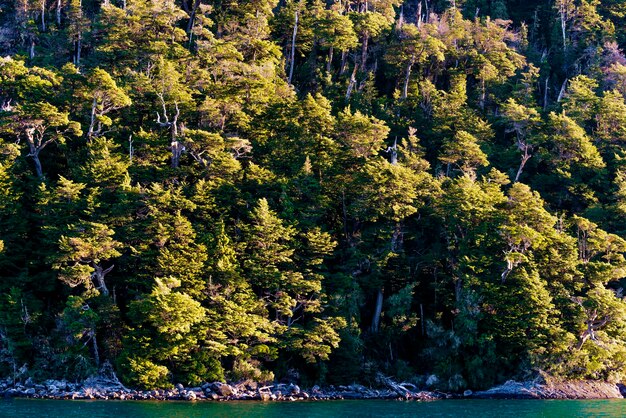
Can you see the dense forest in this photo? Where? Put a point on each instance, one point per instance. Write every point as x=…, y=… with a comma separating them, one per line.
x=321, y=191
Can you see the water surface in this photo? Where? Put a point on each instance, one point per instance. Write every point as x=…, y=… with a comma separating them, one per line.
x=23, y=408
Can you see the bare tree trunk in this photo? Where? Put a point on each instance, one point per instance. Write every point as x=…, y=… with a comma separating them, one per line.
x=545, y=95
x=562, y=91
x=330, y=59
x=192, y=18
x=352, y=82
x=364, y=50
x=419, y=15
x=483, y=94
x=78, y=48
x=344, y=61
x=405, y=89
x=525, y=157
x=92, y=123
x=34, y=151
x=96, y=354
x=563, y=24
x=292, y=61
x=59, y=6
x=377, y=311
x=32, y=49
x=98, y=275
x=177, y=151
x=43, y=15
x=38, y=167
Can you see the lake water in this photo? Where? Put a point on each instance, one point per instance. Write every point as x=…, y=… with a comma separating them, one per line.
x=22, y=408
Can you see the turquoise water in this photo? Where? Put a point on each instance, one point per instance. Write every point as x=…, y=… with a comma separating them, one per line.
x=22, y=408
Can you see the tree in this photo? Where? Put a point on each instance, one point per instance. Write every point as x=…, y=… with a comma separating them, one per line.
x=43, y=124
x=105, y=97
x=81, y=257
x=464, y=152
x=522, y=121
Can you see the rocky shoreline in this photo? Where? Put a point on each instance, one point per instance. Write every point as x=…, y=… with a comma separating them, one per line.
x=102, y=389
x=215, y=391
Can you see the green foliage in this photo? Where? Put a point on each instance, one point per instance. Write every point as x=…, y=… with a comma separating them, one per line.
x=198, y=192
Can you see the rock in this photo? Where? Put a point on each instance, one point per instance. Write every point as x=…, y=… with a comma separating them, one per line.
x=294, y=389
x=265, y=397
x=205, y=386
x=552, y=390
x=432, y=380
x=190, y=395
x=30, y=392
x=467, y=393
x=316, y=389
x=179, y=387
x=226, y=390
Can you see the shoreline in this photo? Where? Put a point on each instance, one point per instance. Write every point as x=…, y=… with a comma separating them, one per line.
x=94, y=389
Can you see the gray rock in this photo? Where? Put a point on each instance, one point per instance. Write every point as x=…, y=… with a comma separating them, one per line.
x=432, y=380
x=226, y=390
x=180, y=387
x=294, y=389
x=30, y=391
x=467, y=393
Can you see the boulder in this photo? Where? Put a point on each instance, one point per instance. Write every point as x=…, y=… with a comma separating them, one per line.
x=432, y=380
x=226, y=390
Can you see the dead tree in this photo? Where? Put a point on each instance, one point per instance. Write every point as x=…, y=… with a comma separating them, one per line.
x=176, y=147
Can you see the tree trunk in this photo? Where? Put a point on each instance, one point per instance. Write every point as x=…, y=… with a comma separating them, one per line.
x=330, y=59
x=364, y=50
x=563, y=24
x=92, y=122
x=377, y=311
x=525, y=159
x=483, y=94
x=78, y=47
x=43, y=15
x=419, y=15
x=344, y=61
x=177, y=151
x=293, y=48
x=405, y=89
x=192, y=18
x=545, y=95
x=98, y=275
x=96, y=354
x=38, y=168
x=59, y=6
x=352, y=82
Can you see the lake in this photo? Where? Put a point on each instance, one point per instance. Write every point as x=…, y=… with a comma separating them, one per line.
x=21, y=408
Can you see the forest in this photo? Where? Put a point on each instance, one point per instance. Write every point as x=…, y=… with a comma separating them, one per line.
x=317, y=191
